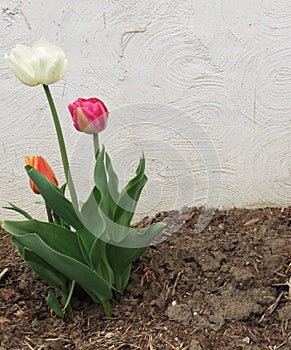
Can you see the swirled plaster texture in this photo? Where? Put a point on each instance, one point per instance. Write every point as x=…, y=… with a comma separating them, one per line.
x=202, y=86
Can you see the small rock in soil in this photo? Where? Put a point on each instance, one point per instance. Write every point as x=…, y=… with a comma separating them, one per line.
x=180, y=313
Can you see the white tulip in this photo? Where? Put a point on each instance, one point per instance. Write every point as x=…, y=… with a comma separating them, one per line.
x=42, y=63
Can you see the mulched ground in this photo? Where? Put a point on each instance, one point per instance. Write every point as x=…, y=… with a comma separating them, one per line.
x=225, y=288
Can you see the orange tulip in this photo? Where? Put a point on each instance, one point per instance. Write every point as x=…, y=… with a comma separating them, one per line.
x=41, y=165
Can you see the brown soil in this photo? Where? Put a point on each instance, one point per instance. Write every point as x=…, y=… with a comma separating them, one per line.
x=215, y=290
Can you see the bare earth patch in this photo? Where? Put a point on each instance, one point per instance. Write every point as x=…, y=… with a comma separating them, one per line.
x=225, y=288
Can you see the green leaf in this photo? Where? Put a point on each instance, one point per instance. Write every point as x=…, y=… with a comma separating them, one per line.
x=64, y=255
x=129, y=196
x=104, y=185
x=90, y=215
x=98, y=260
x=116, y=209
x=142, y=237
x=112, y=179
x=55, y=198
x=57, y=219
x=93, y=225
x=85, y=240
x=53, y=302
x=121, y=256
x=121, y=279
x=56, y=237
x=19, y=245
x=52, y=276
x=19, y=210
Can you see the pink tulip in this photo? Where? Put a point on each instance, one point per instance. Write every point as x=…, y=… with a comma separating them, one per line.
x=89, y=115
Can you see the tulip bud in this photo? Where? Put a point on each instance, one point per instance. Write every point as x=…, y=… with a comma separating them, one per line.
x=89, y=116
x=41, y=165
x=42, y=63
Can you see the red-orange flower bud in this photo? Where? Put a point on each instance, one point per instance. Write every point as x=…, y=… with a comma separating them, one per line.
x=41, y=165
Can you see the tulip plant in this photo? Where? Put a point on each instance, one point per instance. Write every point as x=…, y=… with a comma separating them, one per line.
x=92, y=244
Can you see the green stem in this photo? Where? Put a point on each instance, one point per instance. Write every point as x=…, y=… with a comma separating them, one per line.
x=49, y=213
x=96, y=145
x=62, y=146
x=107, y=308
x=58, y=130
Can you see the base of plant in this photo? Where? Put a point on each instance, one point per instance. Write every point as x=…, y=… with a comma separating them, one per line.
x=107, y=308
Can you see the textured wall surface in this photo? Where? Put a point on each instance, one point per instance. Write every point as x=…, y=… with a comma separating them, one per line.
x=203, y=87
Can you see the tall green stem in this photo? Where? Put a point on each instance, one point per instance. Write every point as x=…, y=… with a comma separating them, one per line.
x=58, y=130
x=96, y=145
x=62, y=145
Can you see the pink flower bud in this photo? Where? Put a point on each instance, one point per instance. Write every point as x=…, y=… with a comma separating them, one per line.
x=89, y=115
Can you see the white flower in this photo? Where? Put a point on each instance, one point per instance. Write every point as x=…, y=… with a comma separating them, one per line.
x=42, y=63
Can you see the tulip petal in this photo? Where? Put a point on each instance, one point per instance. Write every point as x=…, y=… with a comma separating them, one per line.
x=23, y=54
x=41, y=165
x=24, y=73
x=41, y=70
x=57, y=70
x=88, y=113
x=84, y=124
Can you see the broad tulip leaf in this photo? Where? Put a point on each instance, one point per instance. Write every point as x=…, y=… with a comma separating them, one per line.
x=93, y=225
x=120, y=260
x=113, y=231
x=133, y=238
x=90, y=215
x=121, y=257
x=52, y=276
x=116, y=209
x=56, y=237
x=139, y=238
x=98, y=260
x=61, y=258
x=121, y=279
x=57, y=219
x=18, y=244
x=55, y=198
x=85, y=239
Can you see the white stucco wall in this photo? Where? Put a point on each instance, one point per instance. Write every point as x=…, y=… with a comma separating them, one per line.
x=202, y=86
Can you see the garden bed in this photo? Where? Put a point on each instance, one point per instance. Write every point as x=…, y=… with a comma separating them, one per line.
x=220, y=289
